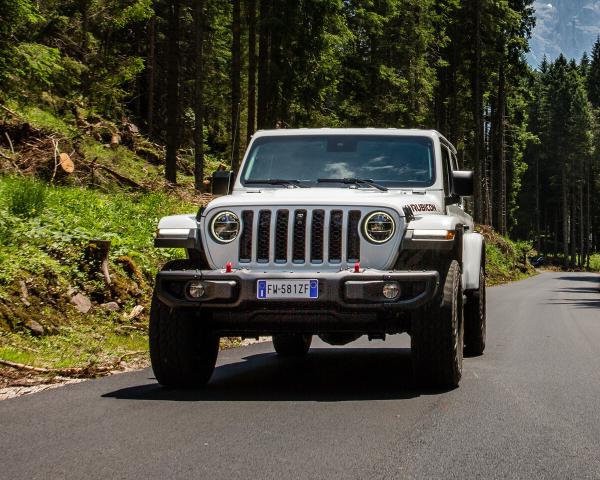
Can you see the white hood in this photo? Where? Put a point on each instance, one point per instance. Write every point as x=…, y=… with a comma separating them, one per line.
x=419, y=202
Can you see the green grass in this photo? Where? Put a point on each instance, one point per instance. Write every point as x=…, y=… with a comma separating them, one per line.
x=44, y=230
x=122, y=160
x=44, y=253
x=79, y=344
x=43, y=119
x=505, y=259
x=595, y=262
x=27, y=198
x=74, y=215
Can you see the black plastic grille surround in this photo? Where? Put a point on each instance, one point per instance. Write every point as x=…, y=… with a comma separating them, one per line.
x=246, y=237
x=299, y=241
x=264, y=236
x=317, y=233
x=281, y=235
x=335, y=235
x=353, y=240
x=290, y=230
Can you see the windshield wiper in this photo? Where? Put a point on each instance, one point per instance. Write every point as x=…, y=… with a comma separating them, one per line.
x=276, y=181
x=353, y=181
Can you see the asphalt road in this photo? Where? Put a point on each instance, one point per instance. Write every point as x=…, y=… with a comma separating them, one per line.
x=528, y=408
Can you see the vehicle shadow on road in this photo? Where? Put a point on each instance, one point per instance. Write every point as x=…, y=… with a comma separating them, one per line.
x=591, y=278
x=577, y=302
x=583, y=289
x=324, y=375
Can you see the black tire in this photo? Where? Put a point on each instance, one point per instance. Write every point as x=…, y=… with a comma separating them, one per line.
x=182, y=352
x=437, y=334
x=475, y=319
x=292, y=345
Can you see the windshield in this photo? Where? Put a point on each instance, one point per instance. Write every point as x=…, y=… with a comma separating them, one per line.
x=392, y=161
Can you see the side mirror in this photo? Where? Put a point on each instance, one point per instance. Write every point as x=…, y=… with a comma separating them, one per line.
x=462, y=183
x=222, y=182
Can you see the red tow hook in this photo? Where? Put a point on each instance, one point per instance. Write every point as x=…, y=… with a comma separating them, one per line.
x=357, y=267
x=228, y=267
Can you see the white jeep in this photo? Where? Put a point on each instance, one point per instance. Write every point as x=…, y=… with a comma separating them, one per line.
x=331, y=232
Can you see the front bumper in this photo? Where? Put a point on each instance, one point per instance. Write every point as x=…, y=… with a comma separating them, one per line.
x=339, y=292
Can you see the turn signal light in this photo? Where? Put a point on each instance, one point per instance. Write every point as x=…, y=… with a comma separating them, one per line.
x=433, y=234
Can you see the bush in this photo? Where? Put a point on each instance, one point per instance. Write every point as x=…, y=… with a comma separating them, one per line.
x=26, y=198
x=595, y=262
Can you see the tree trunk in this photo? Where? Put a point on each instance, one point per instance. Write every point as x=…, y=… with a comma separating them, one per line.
x=454, y=129
x=173, y=93
x=581, y=225
x=477, y=116
x=235, y=86
x=491, y=165
x=84, y=9
x=501, y=207
x=565, y=215
x=251, y=6
x=198, y=13
x=588, y=230
x=537, y=203
x=151, y=71
x=263, y=63
x=555, y=246
x=573, y=225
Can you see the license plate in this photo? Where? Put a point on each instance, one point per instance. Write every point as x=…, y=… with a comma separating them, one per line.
x=287, y=289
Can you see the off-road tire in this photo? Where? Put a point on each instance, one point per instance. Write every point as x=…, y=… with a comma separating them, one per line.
x=292, y=345
x=475, y=319
x=183, y=353
x=437, y=334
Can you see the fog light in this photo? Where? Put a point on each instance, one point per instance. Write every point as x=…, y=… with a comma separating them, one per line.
x=196, y=289
x=391, y=290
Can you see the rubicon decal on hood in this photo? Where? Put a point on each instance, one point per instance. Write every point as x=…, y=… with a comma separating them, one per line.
x=423, y=207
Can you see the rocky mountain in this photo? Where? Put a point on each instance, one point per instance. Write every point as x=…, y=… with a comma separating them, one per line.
x=564, y=26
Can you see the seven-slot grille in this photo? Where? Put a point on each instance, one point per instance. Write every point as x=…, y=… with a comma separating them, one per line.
x=300, y=236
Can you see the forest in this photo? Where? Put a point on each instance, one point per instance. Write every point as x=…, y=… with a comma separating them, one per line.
x=199, y=77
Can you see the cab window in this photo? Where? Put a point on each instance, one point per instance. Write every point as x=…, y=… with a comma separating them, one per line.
x=447, y=169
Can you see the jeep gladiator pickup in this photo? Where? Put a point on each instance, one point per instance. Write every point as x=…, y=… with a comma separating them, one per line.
x=331, y=232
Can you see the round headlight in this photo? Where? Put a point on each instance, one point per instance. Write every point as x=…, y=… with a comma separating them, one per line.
x=379, y=227
x=225, y=227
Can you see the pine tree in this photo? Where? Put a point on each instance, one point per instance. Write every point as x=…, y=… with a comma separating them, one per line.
x=173, y=120
x=593, y=77
x=199, y=19
x=251, y=9
x=236, y=94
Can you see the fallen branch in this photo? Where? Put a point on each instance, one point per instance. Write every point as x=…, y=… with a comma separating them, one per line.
x=133, y=327
x=72, y=371
x=56, y=161
x=118, y=176
x=3, y=155
x=96, y=254
x=130, y=354
x=12, y=148
x=58, y=371
x=135, y=312
x=8, y=110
